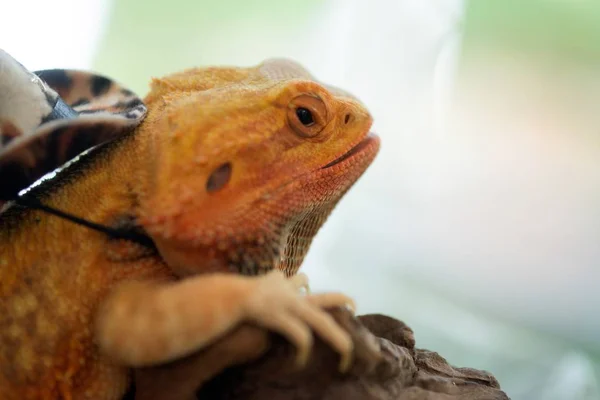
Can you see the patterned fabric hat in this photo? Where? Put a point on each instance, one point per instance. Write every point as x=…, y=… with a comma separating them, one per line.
x=49, y=117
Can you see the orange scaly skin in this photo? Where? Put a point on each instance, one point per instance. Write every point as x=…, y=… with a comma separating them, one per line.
x=231, y=187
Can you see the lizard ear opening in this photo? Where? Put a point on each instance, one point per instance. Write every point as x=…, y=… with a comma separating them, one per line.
x=307, y=115
x=219, y=178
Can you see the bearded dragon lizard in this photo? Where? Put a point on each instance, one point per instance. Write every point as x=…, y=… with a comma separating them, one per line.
x=230, y=176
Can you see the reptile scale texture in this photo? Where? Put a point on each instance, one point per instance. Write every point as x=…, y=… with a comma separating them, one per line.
x=229, y=172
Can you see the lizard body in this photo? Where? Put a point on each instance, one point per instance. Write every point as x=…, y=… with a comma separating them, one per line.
x=230, y=175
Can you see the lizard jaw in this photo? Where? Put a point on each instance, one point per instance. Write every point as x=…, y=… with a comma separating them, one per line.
x=369, y=143
x=295, y=211
x=337, y=177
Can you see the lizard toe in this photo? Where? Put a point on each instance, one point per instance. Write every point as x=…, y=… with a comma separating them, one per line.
x=329, y=330
x=295, y=331
x=330, y=300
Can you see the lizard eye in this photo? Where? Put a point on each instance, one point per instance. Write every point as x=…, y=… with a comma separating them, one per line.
x=307, y=115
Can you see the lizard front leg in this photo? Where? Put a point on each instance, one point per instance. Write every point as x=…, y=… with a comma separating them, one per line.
x=142, y=324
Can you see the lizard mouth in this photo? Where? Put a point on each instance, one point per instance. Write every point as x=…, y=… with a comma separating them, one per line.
x=368, y=143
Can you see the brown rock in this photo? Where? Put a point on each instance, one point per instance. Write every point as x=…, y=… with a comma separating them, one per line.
x=387, y=366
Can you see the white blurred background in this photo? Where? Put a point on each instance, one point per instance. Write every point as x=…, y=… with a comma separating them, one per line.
x=478, y=224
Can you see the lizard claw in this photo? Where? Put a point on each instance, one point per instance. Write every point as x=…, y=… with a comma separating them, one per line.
x=300, y=281
x=277, y=304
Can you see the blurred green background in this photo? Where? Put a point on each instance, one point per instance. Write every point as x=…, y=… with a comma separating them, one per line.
x=155, y=38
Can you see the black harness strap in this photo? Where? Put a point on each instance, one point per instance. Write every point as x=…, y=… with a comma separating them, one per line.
x=111, y=232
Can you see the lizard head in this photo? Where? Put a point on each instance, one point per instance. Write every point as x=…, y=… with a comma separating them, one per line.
x=247, y=163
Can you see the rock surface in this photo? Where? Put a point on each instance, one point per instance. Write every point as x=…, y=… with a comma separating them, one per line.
x=387, y=366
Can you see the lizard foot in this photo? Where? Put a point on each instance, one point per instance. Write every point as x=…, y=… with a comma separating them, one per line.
x=277, y=304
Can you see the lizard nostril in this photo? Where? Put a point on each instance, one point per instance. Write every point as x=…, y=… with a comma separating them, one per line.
x=347, y=118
